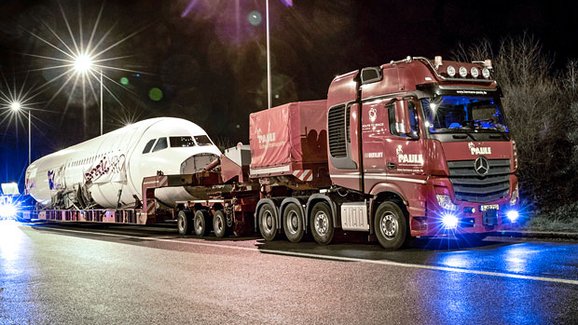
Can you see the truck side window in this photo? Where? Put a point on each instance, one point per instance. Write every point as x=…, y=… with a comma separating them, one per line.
x=161, y=144
x=148, y=146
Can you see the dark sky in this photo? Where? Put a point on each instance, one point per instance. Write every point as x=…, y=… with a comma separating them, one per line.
x=208, y=56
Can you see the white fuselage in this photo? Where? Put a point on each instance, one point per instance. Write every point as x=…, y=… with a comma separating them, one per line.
x=110, y=168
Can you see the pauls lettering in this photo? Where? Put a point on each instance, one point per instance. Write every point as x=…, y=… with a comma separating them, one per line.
x=266, y=138
x=404, y=158
x=479, y=150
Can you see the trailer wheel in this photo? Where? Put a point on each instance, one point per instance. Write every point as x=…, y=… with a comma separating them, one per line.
x=321, y=222
x=200, y=222
x=293, y=223
x=219, y=224
x=390, y=226
x=267, y=222
x=184, y=222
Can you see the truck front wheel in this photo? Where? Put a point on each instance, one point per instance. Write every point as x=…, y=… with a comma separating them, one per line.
x=184, y=222
x=390, y=226
x=321, y=222
x=267, y=222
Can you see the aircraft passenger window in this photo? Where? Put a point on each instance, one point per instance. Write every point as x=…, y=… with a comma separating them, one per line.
x=148, y=146
x=203, y=140
x=161, y=144
x=181, y=142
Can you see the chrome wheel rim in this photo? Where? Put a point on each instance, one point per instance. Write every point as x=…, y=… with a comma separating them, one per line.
x=388, y=225
x=267, y=221
x=321, y=223
x=292, y=222
x=198, y=225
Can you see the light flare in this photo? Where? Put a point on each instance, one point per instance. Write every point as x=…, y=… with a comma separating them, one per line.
x=79, y=58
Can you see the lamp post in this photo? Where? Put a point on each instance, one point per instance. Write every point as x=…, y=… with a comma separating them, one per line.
x=16, y=106
x=269, y=99
x=84, y=64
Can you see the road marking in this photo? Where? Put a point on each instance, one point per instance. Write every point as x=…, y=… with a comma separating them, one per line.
x=336, y=258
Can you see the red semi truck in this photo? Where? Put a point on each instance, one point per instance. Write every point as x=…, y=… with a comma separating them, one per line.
x=412, y=148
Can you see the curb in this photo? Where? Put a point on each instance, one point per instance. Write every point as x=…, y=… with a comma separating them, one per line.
x=537, y=234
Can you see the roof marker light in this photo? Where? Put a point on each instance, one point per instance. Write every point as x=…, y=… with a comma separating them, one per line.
x=474, y=72
x=463, y=72
x=451, y=71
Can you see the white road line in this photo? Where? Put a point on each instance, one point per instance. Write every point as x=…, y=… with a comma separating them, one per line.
x=337, y=258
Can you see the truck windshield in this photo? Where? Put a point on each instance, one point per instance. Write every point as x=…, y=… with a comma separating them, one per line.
x=449, y=114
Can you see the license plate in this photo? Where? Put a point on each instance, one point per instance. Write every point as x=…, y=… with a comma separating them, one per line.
x=487, y=207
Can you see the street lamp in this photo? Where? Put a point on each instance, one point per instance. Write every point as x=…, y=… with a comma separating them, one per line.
x=269, y=100
x=16, y=106
x=83, y=64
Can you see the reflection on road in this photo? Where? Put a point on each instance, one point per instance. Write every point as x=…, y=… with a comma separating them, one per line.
x=16, y=277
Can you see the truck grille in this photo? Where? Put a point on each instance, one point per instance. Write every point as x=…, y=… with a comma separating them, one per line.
x=469, y=186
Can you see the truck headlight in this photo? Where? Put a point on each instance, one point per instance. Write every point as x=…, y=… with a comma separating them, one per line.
x=450, y=221
x=445, y=202
x=513, y=215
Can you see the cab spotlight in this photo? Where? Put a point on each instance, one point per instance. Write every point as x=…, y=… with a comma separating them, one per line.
x=449, y=221
x=451, y=71
x=486, y=73
x=474, y=72
x=463, y=72
x=513, y=215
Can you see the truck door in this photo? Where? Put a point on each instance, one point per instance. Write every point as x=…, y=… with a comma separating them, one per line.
x=391, y=142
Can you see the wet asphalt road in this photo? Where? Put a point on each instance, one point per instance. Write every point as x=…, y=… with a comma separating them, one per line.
x=134, y=275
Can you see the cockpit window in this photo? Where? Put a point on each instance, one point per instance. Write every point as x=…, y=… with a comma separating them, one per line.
x=148, y=146
x=161, y=144
x=203, y=140
x=181, y=142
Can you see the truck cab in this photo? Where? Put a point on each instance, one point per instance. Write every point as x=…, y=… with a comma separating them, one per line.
x=428, y=144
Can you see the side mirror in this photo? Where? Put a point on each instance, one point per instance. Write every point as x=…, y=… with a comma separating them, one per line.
x=403, y=118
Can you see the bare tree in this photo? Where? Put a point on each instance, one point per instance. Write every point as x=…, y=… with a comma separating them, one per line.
x=538, y=114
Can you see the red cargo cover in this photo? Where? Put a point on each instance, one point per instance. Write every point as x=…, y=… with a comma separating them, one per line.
x=287, y=138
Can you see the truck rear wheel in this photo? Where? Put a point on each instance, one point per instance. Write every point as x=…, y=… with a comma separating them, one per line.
x=200, y=222
x=293, y=223
x=267, y=222
x=184, y=222
x=321, y=222
x=219, y=224
x=390, y=226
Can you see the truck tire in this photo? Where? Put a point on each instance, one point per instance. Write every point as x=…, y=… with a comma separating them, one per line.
x=293, y=223
x=219, y=224
x=200, y=221
x=184, y=222
x=390, y=226
x=321, y=222
x=267, y=222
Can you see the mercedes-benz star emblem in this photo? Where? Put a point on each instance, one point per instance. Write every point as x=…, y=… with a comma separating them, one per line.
x=482, y=166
